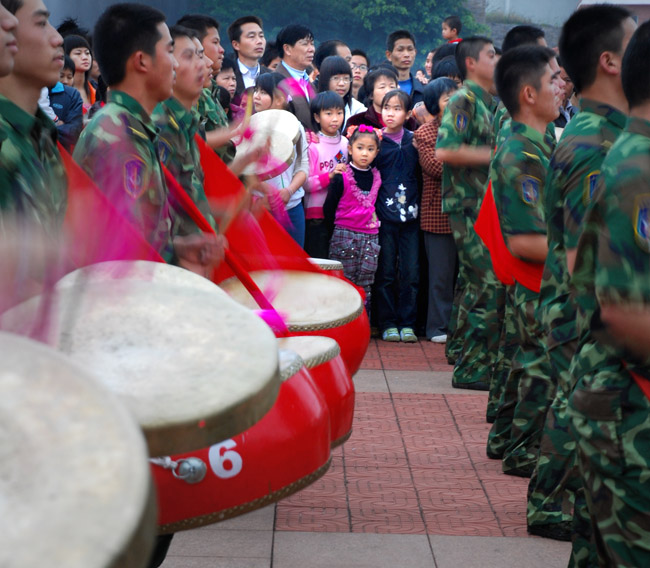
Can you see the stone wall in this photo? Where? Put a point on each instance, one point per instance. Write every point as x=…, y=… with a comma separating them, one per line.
x=477, y=8
x=499, y=31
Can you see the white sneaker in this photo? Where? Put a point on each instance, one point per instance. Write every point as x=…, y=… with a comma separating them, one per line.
x=439, y=339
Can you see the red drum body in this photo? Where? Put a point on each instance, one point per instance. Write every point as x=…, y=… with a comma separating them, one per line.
x=313, y=303
x=322, y=357
x=332, y=267
x=285, y=451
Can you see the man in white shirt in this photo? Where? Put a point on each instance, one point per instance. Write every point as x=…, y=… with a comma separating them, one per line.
x=246, y=36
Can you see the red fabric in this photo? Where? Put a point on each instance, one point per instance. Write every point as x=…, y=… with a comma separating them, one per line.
x=488, y=228
x=641, y=381
x=506, y=266
x=96, y=231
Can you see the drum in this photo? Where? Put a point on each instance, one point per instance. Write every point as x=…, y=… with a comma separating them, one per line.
x=285, y=451
x=332, y=267
x=74, y=483
x=322, y=357
x=283, y=130
x=314, y=304
x=192, y=365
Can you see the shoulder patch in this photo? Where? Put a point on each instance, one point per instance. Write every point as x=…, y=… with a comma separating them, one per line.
x=461, y=120
x=164, y=150
x=590, y=186
x=641, y=221
x=530, y=189
x=135, y=176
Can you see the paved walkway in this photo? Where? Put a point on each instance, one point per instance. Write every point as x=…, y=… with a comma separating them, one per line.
x=411, y=488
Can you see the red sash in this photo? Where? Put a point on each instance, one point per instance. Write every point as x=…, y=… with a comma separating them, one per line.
x=642, y=382
x=96, y=230
x=507, y=267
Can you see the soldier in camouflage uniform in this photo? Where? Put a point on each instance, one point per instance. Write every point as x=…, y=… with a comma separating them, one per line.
x=465, y=142
x=178, y=124
x=526, y=85
x=609, y=408
x=33, y=183
x=214, y=121
x=575, y=167
x=119, y=147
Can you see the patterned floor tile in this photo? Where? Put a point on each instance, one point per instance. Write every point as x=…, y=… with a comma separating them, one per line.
x=393, y=521
x=312, y=519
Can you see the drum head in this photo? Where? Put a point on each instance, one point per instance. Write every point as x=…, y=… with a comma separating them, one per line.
x=283, y=130
x=312, y=301
x=314, y=350
x=193, y=366
x=74, y=478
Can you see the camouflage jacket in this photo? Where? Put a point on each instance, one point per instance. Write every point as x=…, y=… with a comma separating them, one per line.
x=178, y=151
x=574, y=171
x=468, y=119
x=613, y=261
x=33, y=181
x=119, y=151
x=211, y=117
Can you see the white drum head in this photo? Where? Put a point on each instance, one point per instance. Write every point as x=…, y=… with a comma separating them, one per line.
x=311, y=300
x=192, y=365
x=314, y=350
x=75, y=484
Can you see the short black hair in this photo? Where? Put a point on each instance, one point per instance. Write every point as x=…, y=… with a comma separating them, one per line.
x=393, y=37
x=403, y=97
x=635, y=78
x=434, y=90
x=332, y=66
x=521, y=35
x=269, y=82
x=71, y=42
x=454, y=23
x=181, y=31
x=12, y=5
x=373, y=76
x=69, y=64
x=585, y=36
x=270, y=53
x=122, y=30
x=234, y=29
x=520, y=66
x=227, y=64
x=445, y=50
x=290, y=35
x=200, y=23
x=361, y=53
x=325, y=49
x=470, y=47
x=445, y=68
x=325, y=100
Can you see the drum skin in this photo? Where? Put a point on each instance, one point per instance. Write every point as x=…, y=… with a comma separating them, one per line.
x=322, y=357
x=315, y=304
x=332, y=267
x=285, y=451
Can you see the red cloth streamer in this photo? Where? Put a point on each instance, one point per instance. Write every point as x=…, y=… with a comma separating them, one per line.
x=507, y=267
x=202, y=223
x=96, y=230
x=642, y=382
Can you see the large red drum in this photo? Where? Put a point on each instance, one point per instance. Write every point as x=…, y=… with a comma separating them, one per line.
x=285, y=451
x=313, y=304
x=322, y=356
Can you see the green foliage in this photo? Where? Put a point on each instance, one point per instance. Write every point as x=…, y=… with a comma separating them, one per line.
x=362, y=24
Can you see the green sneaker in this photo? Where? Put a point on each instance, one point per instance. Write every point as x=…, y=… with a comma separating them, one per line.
x=390, y=334
x=407, y=335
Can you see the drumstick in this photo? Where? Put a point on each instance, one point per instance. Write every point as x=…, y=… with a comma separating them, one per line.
x=193, y=211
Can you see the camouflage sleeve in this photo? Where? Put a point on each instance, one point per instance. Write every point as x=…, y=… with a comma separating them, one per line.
x=623, y=266
x=581, y=162
x=517, y=182
x=456, y=120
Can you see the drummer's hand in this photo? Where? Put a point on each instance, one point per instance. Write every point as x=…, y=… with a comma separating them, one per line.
x=339, y=169
x=256, y=154
x=200, y=252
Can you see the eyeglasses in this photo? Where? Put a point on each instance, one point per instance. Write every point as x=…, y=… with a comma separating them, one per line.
x=362, y=67
x=345, y=79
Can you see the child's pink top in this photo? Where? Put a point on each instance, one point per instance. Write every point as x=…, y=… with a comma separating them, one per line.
x=324, y=155
x=356, y=209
